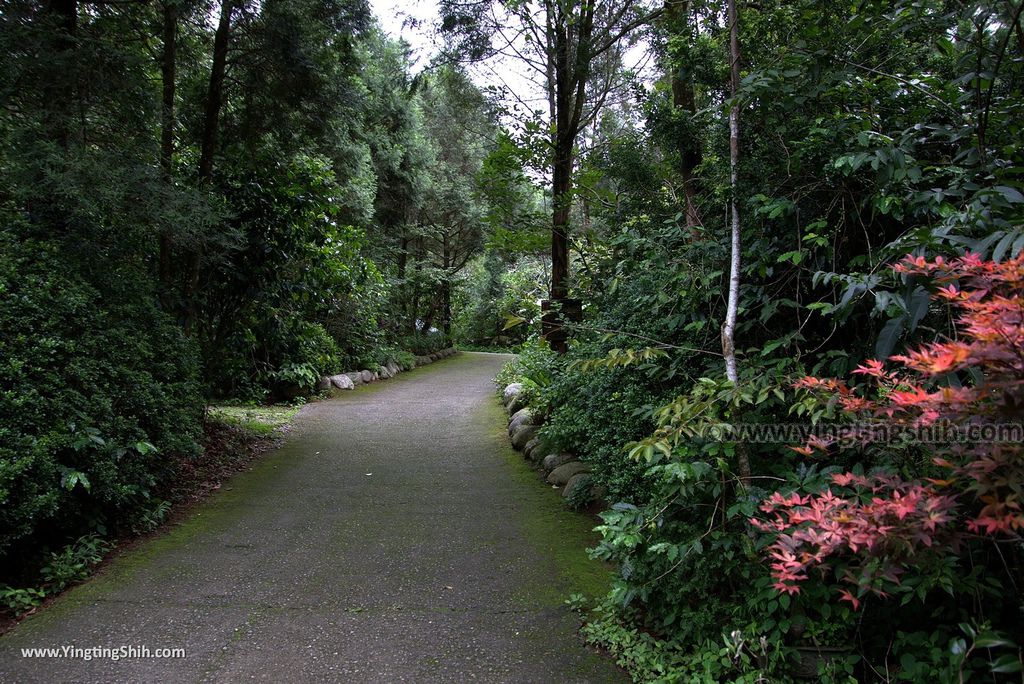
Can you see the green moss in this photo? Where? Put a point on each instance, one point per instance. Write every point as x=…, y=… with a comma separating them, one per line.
x=559, y=534
x=211, y=516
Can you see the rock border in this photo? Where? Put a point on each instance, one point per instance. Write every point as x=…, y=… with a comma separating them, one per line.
x=562, y=470
x=352, y=379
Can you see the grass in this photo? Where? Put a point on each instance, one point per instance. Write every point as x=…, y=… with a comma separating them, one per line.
x=261, y=420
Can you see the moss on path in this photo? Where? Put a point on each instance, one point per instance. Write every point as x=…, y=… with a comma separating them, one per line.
x=393, y=537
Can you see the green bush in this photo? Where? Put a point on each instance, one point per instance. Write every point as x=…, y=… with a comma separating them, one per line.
x=295, y=297
x=72, y=563
x=372, y=358
x=18, y=601
x=405, y=360
x=495, y=291
x=593, y=414
x=307, y=352
x=95, y=386
x=423, y=343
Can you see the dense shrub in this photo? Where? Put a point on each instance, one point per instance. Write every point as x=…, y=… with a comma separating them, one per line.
x=869, y=561
x=292, y=296
x=915, y=533
x=422, y=343
x=492, y=293
x=595, y=415
x=95, y=384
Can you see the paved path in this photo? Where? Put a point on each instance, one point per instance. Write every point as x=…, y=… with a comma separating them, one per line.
x=394, y=537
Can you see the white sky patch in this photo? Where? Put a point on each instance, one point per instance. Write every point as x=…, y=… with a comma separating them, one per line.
x=514, y=84
x=413, y=22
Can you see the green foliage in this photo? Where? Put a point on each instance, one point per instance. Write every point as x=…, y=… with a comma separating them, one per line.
x=595, y=415
x=293, y=298
x=645, y=657
x=152, y=517
x=72, y=563
x=519, y=226
x=406, y=360
x=868, y=131
x=861, y=143
x=534, y=367
x=96, y=385
x=63, y=568
x=737, y=657
x=495, y=291
x=18, y=601
x=422, y=344
x=434, y=213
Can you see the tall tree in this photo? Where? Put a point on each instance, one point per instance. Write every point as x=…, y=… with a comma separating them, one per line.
x=732, y=306
x=729, y=327
x=678, y=20
x=559, y=41
x=460, y=125
x=208, y=146
x=168, y=75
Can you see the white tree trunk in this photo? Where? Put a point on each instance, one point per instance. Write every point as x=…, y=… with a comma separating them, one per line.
x=729, y=327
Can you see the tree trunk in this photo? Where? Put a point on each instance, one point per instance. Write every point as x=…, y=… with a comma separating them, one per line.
x=572, y=53
x=561, y=187
x=167, y=73
x=60, y=97
x=561, y=172
x=211, y=122
x=446, y=289
x=415, y=303
x=215, y=94
x=684, y=102
x=729, y=328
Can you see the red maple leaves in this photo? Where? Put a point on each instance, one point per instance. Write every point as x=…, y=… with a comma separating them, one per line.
x=879, y=516
x=876, y=525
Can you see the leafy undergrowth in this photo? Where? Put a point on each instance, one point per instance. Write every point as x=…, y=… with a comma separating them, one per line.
x=233, y=438
x=231, y=441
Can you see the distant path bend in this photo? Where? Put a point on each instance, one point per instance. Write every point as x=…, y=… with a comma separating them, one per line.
x=392, y=538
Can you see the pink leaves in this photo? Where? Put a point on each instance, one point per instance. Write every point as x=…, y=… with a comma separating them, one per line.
x=872, y=367
x=811, y=383
x=847, y=479
x=937, y=359
x=845, y=595
x=814, y=443
x=889, y=528
x=875, y=526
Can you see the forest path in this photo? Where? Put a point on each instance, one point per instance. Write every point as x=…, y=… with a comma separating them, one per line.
x=393, y=537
